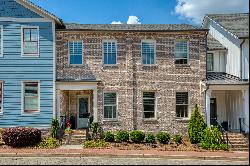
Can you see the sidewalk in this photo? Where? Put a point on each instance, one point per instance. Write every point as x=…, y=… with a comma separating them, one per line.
x=67, y=152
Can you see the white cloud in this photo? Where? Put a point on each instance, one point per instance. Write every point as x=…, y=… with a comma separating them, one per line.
x=133, y=20
x=195, y=10
x=116, y=22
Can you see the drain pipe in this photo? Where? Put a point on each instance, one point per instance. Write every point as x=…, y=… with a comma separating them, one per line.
x=241, y=71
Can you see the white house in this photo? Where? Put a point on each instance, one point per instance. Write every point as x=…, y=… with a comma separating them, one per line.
x=227, y=82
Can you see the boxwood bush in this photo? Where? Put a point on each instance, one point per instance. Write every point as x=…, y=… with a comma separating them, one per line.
x=122, y=136
x=48, y=143
x=178, y=139
x=21, y=136
x=109, y=137
x=163, y=137
x=137, y=136
x=150, y=138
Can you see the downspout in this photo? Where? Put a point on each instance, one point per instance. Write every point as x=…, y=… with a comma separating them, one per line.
x=241, y=75
x=207, y=86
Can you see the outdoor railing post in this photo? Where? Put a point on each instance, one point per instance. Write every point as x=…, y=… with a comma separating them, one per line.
x=240, y=125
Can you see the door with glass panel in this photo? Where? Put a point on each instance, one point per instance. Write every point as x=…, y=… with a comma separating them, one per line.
x=83, y=112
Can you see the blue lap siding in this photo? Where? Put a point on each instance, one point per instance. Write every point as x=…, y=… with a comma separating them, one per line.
x=14, y=69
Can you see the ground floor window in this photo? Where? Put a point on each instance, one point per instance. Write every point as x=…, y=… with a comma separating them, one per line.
x=31, y=97
x=148, y=105
x=182, y=104
x=110, y=105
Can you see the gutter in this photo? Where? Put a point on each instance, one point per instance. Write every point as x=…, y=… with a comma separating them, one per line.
x=241, y=57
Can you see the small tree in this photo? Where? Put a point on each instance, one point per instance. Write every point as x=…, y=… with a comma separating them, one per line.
x=196, y=125
x=54, y=128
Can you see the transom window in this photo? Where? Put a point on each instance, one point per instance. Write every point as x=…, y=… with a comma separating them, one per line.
x=31, y=97
x=210, y=62
x=181, y=52
x=109, y=52
x=148, y=105
x=148, y=52
x=30, y=41
x=182, y=104
x=1, y=41
x=110, y=106
x=1, y=97
x=75, y=52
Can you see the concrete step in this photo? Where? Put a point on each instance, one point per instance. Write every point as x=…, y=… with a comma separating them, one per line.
x=239, y=149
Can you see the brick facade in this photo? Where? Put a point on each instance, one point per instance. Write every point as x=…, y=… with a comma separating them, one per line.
x=129, y=78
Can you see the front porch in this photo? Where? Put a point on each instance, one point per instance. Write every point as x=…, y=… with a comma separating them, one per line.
x=77, y=103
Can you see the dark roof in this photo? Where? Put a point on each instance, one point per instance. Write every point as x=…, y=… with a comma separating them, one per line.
x=221, y=78
x=132, y=27
x=213, y=44
x=237, y=23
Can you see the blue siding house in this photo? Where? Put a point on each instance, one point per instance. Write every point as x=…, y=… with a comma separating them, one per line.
x=27, y=64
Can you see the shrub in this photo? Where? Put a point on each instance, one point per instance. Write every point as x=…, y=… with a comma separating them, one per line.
x=96, y=131
x=95, y=144
x=48, y=143
x=196, y=125
x=137, y=136
x=109, y=136
x=178, y=139
x=212, y=139
x=21, y=136
x=163, y=137
x=150, y=138
x=122, y=136
x=54, y=128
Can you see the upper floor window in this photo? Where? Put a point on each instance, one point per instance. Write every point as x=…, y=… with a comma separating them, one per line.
x=1, y=41
x=182, y=104
x=109, y=52
x=148, y=105
x=148, y=52
x=75, y=52
x=181, y=52
x=1, y=96
x=210, y=62
x=110, y=106
x=30, y=97
x=30, y=41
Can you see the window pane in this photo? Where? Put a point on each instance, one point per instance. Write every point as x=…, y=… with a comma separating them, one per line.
x=210, y=62
x=34, y=35
x=114, y=111
x=30, y=96
x=1, y=96
x=109, y=98
x=26, y=34
x=182, y=98
x=148, y=53
x=109, y=105
x=76, y=52
x=181, y=52
x=149, y=104
x=30, y=47
x=182, y=111
x=109, y=54
x=182, y=104
x=149, y=114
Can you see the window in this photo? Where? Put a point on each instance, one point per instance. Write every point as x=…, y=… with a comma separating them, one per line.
x=1, y=41
x=109, y=52
x=1, y=97
x=181, y=52
x=148, y=52
x=109, y=105
x=210, y=62
x=31, y=97
x=75, y=52
x=30, y=41
x=182, y=104
x=148, y=105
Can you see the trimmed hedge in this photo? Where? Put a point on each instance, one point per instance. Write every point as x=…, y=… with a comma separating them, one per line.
x=109, y=137
x=122, y=136
x=163, y=137
x=21, y=136
x=150, y=138
x=137, y=136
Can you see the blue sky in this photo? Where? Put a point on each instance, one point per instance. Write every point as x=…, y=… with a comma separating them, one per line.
x=147, y=11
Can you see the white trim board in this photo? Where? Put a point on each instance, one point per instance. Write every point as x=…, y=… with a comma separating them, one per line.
x=12, y=19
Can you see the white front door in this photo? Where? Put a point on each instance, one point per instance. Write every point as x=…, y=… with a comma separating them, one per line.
x=83, y=112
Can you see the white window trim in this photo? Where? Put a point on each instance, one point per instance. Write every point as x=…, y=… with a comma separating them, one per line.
x=155, y=108
x=38, y=38
x=69, y=53
x=189, y=108
x=111, y=119
x=179, y=40
x=22, y=97
x=1, y=52
x=1, y=111
x=149, y=41
x=106, y=40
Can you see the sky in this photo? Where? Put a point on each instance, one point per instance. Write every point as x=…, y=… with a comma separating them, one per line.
x=140, y=11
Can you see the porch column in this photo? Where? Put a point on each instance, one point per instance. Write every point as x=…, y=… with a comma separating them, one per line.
x=95, y=105
x=245, y=97
x=208, y=96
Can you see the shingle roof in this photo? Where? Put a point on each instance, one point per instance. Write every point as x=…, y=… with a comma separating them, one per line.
x=218, y=78
x=237, y=23
x=213, y=44
x=132, y=27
